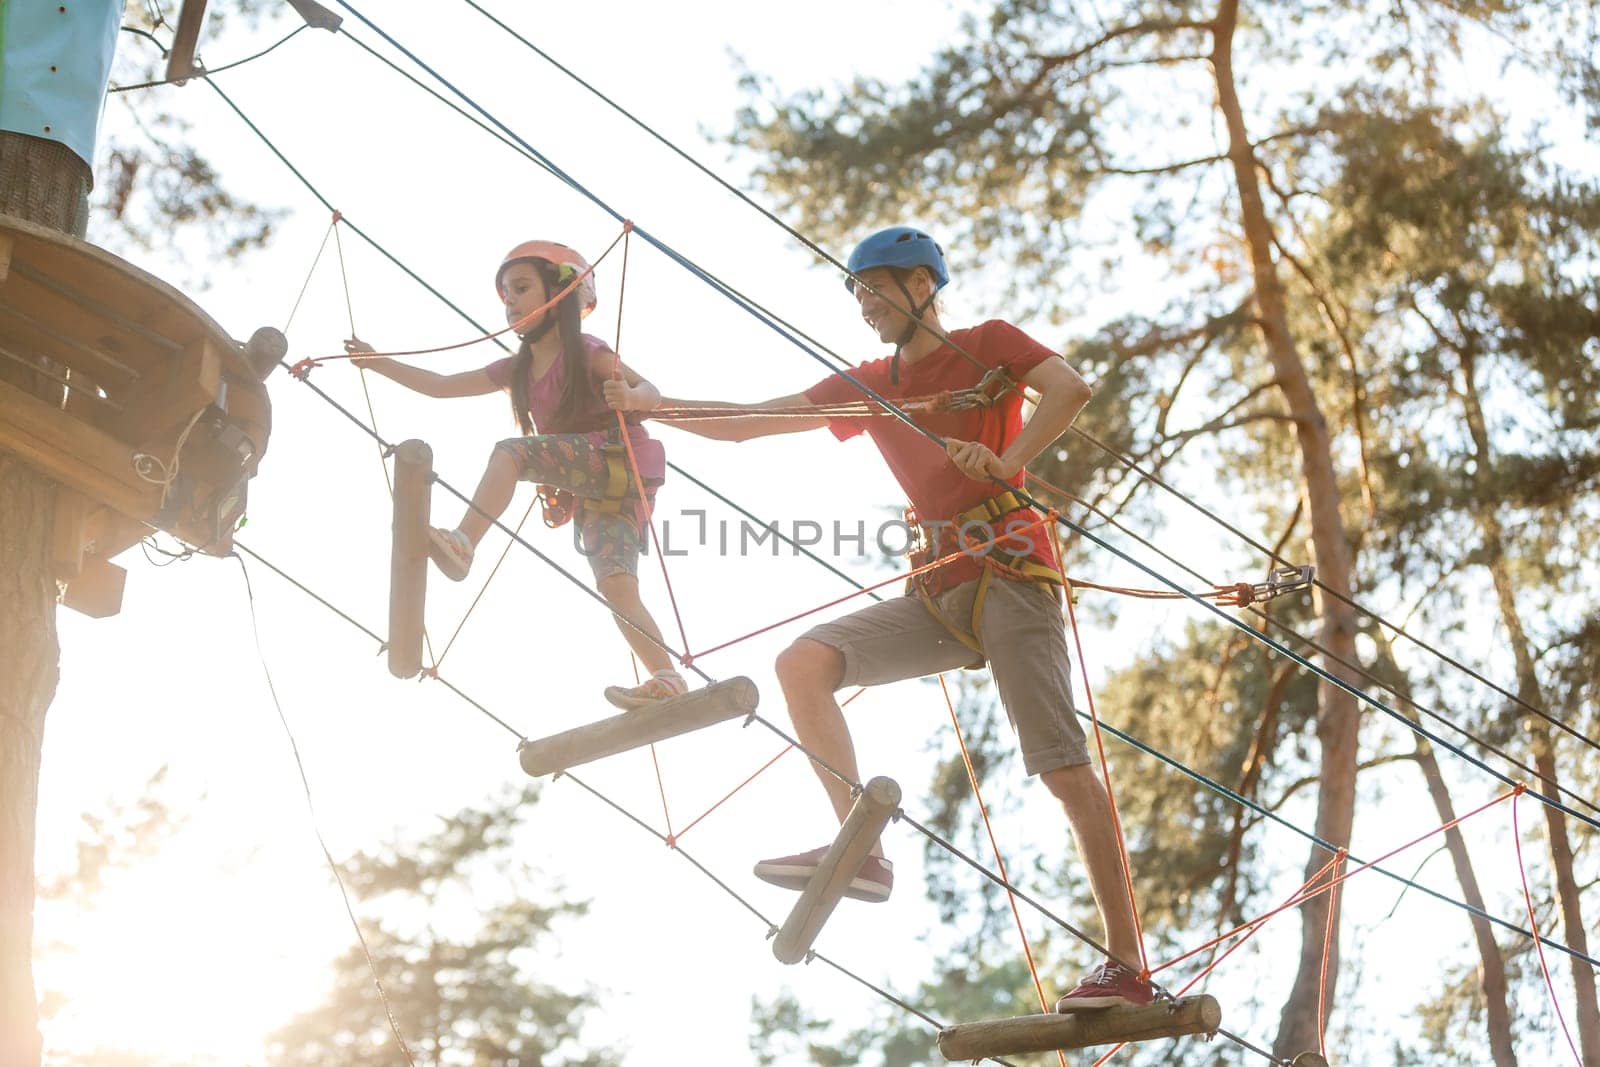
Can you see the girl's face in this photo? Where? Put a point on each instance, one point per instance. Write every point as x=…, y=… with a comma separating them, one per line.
x=524, y=291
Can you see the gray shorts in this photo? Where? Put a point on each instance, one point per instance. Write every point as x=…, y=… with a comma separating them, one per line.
x=1021, y=631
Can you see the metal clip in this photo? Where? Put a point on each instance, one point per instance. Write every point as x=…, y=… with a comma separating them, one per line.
x=1281, y=580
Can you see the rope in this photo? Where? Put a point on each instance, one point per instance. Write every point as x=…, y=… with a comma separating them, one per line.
x=303, y=367
x=1105, y=771
x=1340, y=879
x=1544, y=966
x=1327, y=952
x=770, y=323
x=311, y=808
x=994, y=845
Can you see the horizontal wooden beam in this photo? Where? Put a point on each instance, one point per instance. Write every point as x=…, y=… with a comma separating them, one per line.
x=74, y=453
x=878, y=800
x=717, y=702
x=1105, y=1026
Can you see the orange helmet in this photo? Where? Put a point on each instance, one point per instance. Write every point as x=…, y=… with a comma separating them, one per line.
x=567, y=263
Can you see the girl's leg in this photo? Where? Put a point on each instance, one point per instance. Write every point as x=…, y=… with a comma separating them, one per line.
x=493, y=494
x=622, y=593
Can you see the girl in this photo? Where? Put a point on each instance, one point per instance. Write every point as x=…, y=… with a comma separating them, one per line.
x=565, y=388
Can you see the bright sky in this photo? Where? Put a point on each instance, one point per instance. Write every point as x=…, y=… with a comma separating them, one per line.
x=195, y=957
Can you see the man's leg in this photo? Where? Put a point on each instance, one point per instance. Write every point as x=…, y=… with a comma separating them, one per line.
x=809, y=673
x=1088, y=809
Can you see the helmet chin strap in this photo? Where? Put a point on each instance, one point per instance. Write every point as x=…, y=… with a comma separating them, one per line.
x=910, y=331
x=540, y=330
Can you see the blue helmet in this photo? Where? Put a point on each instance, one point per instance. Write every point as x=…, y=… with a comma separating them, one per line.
x=899, y=246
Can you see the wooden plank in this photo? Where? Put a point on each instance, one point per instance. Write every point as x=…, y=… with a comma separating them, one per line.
x=69, y=533
x=408, y=558
x=1055, y=1032
x=97, y=592
x=161, y=404
x=74, y=453
x=878, y=800
x=717, y=702
x=180, y=60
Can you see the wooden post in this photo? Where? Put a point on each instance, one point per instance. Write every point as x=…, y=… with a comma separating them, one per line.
x=408, y=561
x=878, y=800
x=717, y=702
x=1309, y=1059
x=1053, y=1032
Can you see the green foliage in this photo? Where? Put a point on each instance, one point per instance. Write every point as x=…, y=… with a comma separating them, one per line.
x=154, y=181
x=472, y=993
x=1439, y=266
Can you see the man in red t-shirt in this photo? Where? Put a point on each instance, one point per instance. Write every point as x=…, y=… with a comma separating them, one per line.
x=995, y=596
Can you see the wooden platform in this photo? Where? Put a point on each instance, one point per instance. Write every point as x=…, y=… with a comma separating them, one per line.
x=1107, y=1026
x=717, y=702
x=132, y=368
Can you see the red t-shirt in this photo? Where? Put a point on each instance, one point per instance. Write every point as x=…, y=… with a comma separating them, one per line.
x=936, y=487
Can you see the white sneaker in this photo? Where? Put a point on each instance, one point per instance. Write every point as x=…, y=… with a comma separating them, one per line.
x=451, y=552
x=658, y=687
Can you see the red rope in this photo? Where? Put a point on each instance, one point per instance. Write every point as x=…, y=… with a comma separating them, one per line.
x=638, y=479
x=1303, y=897
x=783, y=752
x=999, y=860
x=1533, y=924
x=1230, y=950
x=1327, y=947
x=943, y=561
x=300, y=369
x=1105, y=767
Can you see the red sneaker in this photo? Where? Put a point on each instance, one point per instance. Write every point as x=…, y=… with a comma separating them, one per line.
x=872, y=882
x=1110, y=985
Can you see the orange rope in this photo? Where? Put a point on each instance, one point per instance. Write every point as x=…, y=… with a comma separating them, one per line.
x=1533, y=923
x=1303, y=897
x=1230, y=950
x=1105, y=767
x=485, y=588
x=1327, y=947
x=781, y=753
x=633, y=460
x=994, y=845
x=943, y=561
x=301, y=368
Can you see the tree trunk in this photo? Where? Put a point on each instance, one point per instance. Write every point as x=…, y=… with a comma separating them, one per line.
x=42, y=182
x=1338, y=718
x=1529, y=692
x=1491, y=961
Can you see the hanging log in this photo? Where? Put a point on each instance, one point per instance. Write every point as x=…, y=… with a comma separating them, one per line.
x=408, y=559
x=1053, y=1032
x=878, y=801
x=717, y=702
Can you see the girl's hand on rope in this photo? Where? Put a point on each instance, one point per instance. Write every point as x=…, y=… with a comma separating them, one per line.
x=624, y=397
x=360, y=353
x=977, y=461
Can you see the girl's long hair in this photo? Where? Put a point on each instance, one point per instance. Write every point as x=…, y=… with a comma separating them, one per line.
x=577, y=391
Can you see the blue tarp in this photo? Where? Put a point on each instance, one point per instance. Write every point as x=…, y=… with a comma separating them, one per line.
x=55, y=61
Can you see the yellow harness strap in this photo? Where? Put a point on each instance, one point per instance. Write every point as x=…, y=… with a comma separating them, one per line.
x=1019, y=565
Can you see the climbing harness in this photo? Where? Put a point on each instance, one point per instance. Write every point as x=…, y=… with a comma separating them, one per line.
x=560, y=506
x=928, y=540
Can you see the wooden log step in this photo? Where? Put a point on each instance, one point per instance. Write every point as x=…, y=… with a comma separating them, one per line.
x=878, y=800
x=717, y=702
x=1053, y=1032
